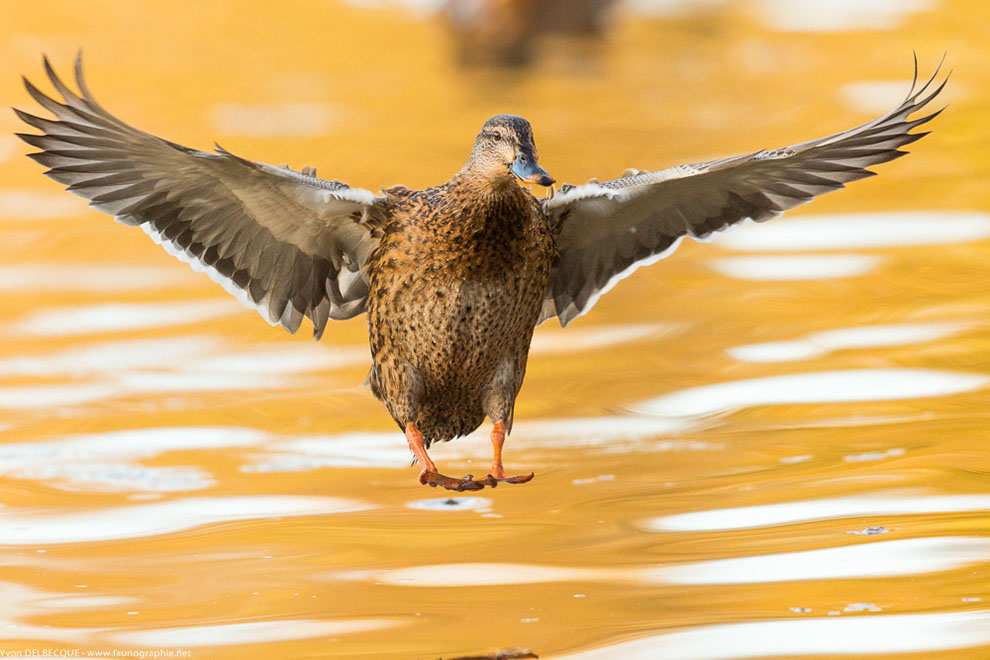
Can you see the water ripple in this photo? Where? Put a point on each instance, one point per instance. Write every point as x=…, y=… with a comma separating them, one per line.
x=24, y=527
x=862, y=634
x=864, y=560
x=452, y=504
x=251, y=632
x=794, y=512
x=551, y=340
x=839, y=15
x=33, y=205
x=117, y=317
x=105, y=357
x=116, y=477
x=295, y=120
x=90, y=277
x=818, y=344
x=815, y=387
x=803, y=267
x=860, y=230
x=387, y=450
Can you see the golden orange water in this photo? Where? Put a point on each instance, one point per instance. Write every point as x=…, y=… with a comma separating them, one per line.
x=771, y=445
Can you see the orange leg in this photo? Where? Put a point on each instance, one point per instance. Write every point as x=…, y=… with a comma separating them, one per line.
x=415, y=440
x=498, y=439
x=498, y=472
x=430, y=477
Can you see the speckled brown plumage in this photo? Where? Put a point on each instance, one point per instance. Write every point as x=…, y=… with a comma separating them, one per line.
x=457, y=285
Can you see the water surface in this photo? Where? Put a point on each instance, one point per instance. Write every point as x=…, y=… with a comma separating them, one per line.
x=774, y=444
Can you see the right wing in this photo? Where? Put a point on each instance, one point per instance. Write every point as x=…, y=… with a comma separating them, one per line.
x=607, y=230
x=286, y=243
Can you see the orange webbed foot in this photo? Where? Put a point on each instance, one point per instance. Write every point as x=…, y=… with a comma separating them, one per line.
x=430, y=477
x=468, y=482
x=521, y=479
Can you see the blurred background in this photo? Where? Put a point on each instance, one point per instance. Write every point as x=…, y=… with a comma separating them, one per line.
x=770, y=445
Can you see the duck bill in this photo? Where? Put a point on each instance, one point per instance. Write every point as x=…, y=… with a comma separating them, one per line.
x=526, y=168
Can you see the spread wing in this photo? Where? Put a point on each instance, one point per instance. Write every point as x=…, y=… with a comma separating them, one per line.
x=286, y=243
x=607, y=230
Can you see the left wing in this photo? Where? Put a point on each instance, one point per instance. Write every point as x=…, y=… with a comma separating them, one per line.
x=286, y=243
x=607, y=230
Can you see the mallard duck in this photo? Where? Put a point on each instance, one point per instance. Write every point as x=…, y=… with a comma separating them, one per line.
x=454, y=278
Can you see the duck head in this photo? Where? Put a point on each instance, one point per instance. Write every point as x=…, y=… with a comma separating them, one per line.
x=504, y=151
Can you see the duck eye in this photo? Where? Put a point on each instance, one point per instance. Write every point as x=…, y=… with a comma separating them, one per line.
x=497, y=135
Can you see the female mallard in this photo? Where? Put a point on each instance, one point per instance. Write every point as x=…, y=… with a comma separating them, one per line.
x=454, y=278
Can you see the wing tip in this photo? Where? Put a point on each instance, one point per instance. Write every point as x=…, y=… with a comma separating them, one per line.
x=81, y=78
x=916, y=92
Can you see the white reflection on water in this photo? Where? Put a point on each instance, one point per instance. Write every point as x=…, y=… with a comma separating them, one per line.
x=99, y=461
x=283, y=359
x=611, y=434
x=817, y=344
x=116, y=317
x=24, y=527
x=133, y=382
x=380, y=450
x=90, y=277
x=838, y=15
x=863, y=560
x=117, y=477
x=128, y=383
x=32, y=205
x=874, y=96
x=866, y=560
x=814, y=387
x=549, y=340
x=859, y=230
x=452, y=504
x=20, y=600
x=882, y=504
x=874, y=455
x=82, y=602
x=481, y=575
x=291, y=120
x=112, y=356
x=7, y=145
x=180, y=364
x=862, y=634
x=53, y=396
x=389, y=450
x=803, y=267
x=251, y=632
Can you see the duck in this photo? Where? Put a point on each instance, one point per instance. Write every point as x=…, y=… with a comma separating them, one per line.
x=509, y=33
x=453, y=278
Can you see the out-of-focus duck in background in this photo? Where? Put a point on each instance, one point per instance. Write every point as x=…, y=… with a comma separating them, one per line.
x=508, y=32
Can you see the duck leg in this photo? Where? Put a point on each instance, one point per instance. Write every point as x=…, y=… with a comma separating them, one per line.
x=498, y=472
x=430, y=477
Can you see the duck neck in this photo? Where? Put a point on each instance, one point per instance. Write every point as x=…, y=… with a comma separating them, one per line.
x=488, y=203
x=482, y=181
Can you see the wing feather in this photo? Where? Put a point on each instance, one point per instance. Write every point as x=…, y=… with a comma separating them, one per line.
x=606, y=230
x=277, y=239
